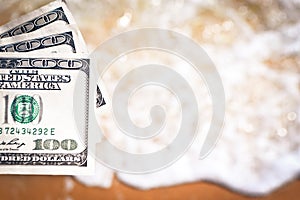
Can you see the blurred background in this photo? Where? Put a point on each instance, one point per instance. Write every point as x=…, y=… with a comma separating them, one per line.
x=218, y=26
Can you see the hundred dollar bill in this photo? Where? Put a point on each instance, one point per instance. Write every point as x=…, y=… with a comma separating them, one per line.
x=48, y=41
x=52, y=14
x=38, y=133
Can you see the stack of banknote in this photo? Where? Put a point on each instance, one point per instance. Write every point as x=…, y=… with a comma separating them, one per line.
x=43, y=57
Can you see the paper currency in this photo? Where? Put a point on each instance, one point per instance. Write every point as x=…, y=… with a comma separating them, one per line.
x=50, y=42
x=38, y=133
x=51, y=15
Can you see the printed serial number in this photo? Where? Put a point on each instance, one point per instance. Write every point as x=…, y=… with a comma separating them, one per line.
x=27, y=131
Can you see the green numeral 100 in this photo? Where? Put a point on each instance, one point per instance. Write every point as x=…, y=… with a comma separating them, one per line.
x=52, y=144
